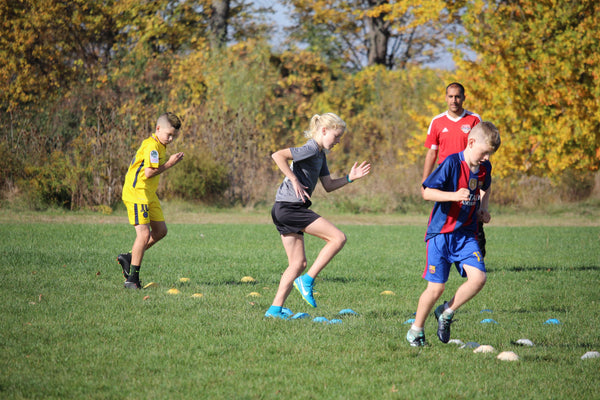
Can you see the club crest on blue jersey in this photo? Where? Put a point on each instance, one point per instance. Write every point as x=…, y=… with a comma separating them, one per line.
x=472, y=184
x=432, y=269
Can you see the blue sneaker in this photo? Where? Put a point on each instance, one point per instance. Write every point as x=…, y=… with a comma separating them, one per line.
x=276, y=314
x=306, y=291
x=287, y=311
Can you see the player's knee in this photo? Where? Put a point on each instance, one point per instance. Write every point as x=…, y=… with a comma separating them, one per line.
x=436, y=289
x=478, y=279
x=143, y=235
x=340, y=239
x=298, y=265
x=160, y=233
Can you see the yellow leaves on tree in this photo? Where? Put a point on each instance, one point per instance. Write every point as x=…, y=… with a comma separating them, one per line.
x=45, y=45
x=537, y=77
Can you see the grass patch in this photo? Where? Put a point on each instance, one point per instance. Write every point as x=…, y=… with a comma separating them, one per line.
x=69, y=329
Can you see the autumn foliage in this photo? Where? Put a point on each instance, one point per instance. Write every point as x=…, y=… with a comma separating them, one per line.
x=83, y=83
x=537, y=76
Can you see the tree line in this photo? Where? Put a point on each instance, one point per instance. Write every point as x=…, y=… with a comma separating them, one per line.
x=83, y=83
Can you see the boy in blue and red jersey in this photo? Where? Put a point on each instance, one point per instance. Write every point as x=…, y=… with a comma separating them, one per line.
x=458, y=188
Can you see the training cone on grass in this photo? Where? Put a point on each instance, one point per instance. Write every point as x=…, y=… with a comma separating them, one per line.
x=508, y=356
x=488, y=321
x=173, y=291
x=524, y=342
x=151, y=285
x=590, y=354
x=387, y=293
x=300, y=316
x=484, y=348
x=247, y=279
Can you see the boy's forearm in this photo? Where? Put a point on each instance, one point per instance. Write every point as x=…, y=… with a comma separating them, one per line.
x=171, y=162
x=150, y=172
x=441, y=196
x=430, y=194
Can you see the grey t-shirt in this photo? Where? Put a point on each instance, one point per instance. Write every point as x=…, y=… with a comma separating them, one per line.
x=309, y=163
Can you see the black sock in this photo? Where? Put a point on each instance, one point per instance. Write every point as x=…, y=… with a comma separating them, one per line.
x=134, y=274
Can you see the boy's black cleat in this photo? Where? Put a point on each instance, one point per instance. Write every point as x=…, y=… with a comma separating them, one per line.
x=125, y=261
x=132, y=284
x=444, y=322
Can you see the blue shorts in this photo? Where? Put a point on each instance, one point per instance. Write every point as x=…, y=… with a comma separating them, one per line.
x=292, y=217
x=447, y=248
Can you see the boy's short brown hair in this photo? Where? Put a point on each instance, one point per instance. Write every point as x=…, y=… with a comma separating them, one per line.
x=488, y=132
x=170, y=118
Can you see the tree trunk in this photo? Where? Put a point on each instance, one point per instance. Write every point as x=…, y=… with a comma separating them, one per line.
x=377, y=37
x=218, y=23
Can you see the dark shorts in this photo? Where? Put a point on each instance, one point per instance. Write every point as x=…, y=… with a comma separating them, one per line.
x=292, y=217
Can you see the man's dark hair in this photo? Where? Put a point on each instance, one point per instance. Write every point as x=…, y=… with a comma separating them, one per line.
x=457, y=85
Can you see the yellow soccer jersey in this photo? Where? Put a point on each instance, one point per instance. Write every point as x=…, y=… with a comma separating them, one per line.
x=138, y=188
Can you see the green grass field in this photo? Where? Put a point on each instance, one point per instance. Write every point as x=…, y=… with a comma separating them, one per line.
x=70, y=330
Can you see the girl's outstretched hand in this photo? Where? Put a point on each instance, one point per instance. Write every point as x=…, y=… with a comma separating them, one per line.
x=358, y=171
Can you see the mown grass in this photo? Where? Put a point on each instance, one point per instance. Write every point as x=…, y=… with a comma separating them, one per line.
x=69, y=329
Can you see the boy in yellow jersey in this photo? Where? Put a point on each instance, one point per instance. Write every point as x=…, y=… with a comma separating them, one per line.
x=139, y=195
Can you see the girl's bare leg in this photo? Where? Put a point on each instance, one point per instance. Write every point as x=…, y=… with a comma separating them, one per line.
x=334, y=238
x=294, y=248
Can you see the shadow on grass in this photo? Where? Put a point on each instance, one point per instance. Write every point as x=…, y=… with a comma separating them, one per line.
x=545, y=269
x=533, y=310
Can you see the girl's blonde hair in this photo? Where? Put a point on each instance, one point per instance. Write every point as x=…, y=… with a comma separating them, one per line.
x=327, y=120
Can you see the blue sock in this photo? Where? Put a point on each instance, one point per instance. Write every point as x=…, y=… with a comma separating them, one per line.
x=308, y=279
x=275, y=310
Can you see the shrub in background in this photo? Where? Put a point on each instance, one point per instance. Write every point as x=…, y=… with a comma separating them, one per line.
x=198, y=177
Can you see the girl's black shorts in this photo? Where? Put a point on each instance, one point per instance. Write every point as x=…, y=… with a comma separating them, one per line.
x=292, y=217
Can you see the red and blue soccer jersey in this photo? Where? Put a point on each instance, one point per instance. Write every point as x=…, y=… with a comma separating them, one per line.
x=452, y=175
